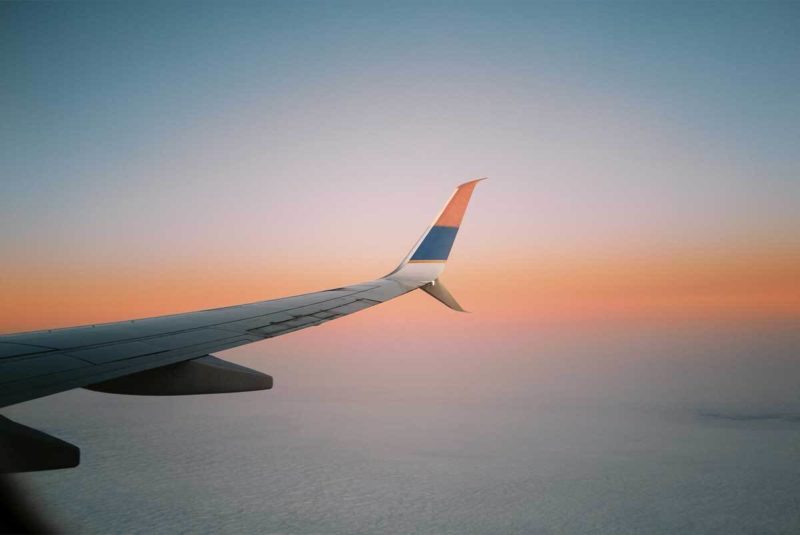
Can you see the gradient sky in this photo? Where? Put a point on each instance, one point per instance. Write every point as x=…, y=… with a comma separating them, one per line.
x=164, y=157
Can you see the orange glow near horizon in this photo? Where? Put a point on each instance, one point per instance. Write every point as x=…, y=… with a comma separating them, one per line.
x=736, y=285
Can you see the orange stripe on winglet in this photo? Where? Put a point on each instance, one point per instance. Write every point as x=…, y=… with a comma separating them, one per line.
x=454, y=211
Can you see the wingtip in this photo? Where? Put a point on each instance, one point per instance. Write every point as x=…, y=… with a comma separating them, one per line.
x=473, y=181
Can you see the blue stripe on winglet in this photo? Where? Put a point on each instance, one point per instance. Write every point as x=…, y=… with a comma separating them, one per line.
x=436, y=245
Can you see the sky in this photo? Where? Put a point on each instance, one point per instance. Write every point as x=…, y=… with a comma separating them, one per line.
x=166, y=157
x=631, y=267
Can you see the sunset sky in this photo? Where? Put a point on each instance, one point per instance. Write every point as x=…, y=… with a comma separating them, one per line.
x=164, y=157
x=631, y=266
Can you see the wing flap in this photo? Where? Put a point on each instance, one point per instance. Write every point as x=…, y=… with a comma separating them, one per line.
x=19, y=350
x=27, y=367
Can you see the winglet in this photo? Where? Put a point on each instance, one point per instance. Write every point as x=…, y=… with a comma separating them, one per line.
x=439, y=291
x=427, y=259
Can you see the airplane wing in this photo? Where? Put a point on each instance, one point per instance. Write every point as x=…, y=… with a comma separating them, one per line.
x=171, y=355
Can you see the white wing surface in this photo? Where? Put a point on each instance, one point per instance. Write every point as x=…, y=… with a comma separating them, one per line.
x=171, y=355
